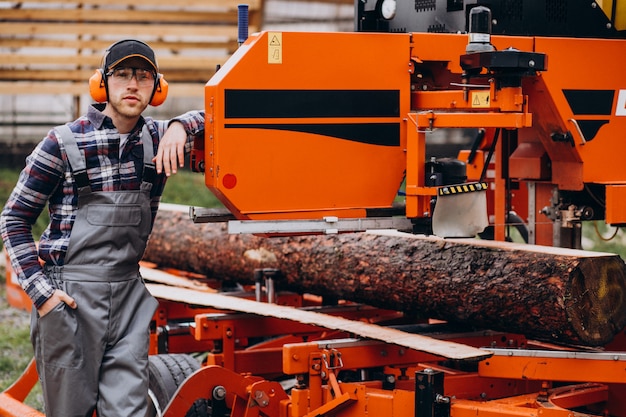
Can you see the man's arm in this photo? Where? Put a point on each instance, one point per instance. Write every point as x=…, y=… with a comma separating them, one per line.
x=177, y=141
x=40, y=178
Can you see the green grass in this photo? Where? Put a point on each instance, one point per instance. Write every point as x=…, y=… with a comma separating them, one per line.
x=188, y=188
x=601, y=237
x=13, y=345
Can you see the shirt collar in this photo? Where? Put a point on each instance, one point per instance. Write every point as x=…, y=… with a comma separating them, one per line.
x=101, y=121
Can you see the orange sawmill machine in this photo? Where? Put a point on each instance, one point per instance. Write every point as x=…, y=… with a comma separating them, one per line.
x=503, y=119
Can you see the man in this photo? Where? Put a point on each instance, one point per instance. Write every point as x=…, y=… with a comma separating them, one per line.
x=102, y=177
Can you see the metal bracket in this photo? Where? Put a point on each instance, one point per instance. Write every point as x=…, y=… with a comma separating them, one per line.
x=210, y=215
x=429, y=398
x=328, y=225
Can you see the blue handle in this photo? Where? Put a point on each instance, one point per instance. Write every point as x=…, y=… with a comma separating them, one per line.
x=242, y=22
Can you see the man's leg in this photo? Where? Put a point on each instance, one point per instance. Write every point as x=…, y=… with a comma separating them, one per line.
x=124, y=369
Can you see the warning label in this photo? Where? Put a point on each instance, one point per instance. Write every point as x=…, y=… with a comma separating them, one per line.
x=274, y=48
x=480, y=99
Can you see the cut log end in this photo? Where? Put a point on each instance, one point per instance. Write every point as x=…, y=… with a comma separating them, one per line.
x=595, y=302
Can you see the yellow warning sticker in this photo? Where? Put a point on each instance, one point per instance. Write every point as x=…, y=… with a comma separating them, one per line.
x=274, y=48
x=480, y=99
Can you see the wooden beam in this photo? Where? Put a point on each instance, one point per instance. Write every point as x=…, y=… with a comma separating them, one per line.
x=80, y=75
x=180, y=62
x=117, y=16
x=221, y=4
x=100, y=45
x=190, y=38
x=176, y=89
x=142, y=31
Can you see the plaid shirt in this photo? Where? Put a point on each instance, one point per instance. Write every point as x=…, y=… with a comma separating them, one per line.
x=47, y=179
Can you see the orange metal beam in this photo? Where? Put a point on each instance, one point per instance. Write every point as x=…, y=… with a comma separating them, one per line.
x=12, y=399
x=10, y=407
x=557, y=366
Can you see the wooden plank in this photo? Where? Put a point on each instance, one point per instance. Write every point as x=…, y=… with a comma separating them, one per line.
x=120, y=16
x=93, y=61
x=79, y=88
x=142, y=31
x=420, y=343
x=223, y=4
x=165, y=278
x=82, y=75
x=100, y=45
x=190, y=37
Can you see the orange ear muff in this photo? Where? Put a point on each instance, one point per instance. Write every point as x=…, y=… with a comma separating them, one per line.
x=97, y=87
x=160, y=91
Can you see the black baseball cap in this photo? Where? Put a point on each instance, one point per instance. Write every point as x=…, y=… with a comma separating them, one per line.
x=128, y=48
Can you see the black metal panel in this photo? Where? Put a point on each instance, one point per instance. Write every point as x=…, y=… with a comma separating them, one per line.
x=590, y=102
x=311, y=103
x=383, y=134
x=569, y=18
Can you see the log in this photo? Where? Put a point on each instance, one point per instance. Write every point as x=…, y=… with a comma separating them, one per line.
x=550, y=294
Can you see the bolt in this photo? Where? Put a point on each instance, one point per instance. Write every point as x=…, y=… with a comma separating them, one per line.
x=261, y=398
x=219, y=392
x=440, y=399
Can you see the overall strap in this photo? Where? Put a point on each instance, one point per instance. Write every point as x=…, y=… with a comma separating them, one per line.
x=149, y=169
x=76, y=158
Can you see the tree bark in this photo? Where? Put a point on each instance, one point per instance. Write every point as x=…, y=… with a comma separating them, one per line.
x=551, y=294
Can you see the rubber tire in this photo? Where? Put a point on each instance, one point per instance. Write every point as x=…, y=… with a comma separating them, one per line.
x=167, y=373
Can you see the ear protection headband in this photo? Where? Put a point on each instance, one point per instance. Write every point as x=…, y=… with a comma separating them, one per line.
x=99, y=89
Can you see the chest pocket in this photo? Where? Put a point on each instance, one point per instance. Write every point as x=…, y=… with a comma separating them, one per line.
x=119, y=215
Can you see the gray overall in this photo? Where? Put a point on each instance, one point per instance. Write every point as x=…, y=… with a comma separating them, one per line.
x=96, y=356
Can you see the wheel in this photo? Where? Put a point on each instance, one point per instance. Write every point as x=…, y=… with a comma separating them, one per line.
x=167, y=373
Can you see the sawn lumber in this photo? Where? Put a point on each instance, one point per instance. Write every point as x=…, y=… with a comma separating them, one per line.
x=449, y=350
x=551, y=294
